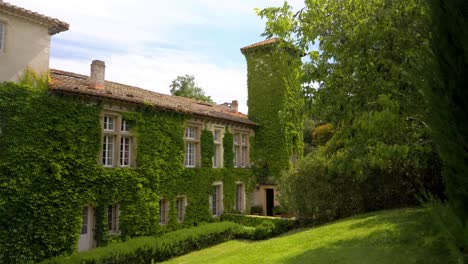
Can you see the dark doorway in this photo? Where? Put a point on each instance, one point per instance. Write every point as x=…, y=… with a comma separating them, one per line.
x=270, y=201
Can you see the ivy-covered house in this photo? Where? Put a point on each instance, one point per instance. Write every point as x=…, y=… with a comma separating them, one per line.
x=84, y=160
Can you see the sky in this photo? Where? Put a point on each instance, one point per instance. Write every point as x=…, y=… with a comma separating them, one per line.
x=148, y=43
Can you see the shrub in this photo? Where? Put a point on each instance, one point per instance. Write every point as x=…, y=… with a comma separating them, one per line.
x=154, y=249
x=256, y=210
x=257, y=228
x=279, y=210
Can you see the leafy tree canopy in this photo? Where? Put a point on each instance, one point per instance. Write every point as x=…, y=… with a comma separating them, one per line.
x=364, y=80
x=185, y=86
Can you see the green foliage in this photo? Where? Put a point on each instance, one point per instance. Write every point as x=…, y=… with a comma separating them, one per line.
x=207, y=150
x=257, y=228
x=185, y=86
x=447, y=99
x=256, y=210
x=155, y=249
x=228, y=143
x=48, y=170
x=322, y=134
x=368, y=83
x=274, y=70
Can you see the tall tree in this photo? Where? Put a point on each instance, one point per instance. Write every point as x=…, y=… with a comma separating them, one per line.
x=448, y=102
x=185, y=86
x=367, y=68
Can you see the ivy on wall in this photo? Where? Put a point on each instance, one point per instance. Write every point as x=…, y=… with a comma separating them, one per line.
x=228, y=143
x=275, y=70
x=48, y=171
x=207, y=150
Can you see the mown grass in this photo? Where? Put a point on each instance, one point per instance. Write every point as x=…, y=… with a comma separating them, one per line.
x=396, y=236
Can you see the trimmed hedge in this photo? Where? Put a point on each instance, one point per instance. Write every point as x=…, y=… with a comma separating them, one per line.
x=155, y=249
x=258, y=227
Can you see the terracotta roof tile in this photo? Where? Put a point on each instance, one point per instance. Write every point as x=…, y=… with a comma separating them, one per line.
x=69, y=82
x=55, y=26
x=261, y=43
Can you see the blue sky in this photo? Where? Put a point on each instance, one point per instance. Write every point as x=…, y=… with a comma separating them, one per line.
x=149, y=43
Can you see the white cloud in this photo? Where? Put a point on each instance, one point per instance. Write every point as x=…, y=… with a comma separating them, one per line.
x=223, y=84
x=149, y=43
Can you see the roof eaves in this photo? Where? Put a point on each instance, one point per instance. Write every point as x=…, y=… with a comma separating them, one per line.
x=54, y=25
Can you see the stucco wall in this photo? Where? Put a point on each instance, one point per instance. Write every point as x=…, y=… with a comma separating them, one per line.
x=26, y=45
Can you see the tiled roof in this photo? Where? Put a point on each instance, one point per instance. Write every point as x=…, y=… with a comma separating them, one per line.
x=55, y=26
x=73, y=83
x=261, y=43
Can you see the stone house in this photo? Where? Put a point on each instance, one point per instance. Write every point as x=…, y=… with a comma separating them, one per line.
x=239, y=179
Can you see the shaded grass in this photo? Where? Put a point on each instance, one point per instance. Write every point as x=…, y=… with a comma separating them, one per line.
x=397, y=236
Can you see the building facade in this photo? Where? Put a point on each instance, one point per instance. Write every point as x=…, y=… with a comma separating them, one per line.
x=113, y=160
x=25, y=40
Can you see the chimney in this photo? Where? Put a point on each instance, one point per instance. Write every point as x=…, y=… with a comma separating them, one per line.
x=234, y=106
x=97, y=76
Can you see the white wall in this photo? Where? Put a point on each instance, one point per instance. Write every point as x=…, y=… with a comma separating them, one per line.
x=26, y=44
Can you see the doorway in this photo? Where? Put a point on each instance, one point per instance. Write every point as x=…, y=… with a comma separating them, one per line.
x=270, y=201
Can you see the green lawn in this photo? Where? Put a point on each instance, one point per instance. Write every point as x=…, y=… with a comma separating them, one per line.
x=397, y=236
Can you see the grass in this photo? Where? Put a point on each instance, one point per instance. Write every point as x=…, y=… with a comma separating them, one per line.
x=396, y=236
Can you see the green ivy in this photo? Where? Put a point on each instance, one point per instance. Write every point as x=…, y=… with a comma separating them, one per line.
x=228, y=143
x=207, y=151
x=275, y=70
x=48, y=171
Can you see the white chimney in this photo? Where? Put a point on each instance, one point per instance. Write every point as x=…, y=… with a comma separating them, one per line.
x=97, y=76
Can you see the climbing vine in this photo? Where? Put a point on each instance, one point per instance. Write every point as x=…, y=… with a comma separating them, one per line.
x=228, y=143
x=207, y=150
x=275, y=70
x=49, y=146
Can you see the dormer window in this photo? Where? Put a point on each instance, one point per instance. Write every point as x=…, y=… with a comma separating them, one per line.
x=2, y=36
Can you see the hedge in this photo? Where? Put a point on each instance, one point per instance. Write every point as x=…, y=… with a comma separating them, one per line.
x=257, y=227
x=153, y=249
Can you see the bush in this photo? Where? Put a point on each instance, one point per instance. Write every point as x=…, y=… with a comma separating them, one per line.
x=155, y=249
x=316, y=194
x=256, y=210
x=279, y=210
x=257, y=228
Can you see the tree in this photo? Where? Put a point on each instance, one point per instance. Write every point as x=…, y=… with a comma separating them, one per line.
x=368, y=74
x=447, y=97
x=185, y=86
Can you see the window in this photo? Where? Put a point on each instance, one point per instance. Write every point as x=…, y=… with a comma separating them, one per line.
x=191, y=146
x=181, y=204
x=113, y=218
x=2, y=36
x=218, y=149
x=163, y=211
x=240, y=197
x=216, y=200
x=117, y=142
x=241, y=150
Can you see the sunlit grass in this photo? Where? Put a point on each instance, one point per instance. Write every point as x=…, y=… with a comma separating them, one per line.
x=397, y=236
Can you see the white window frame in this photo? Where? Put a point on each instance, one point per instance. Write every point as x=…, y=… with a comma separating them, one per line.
x=216, y=200
x=117, y=141
x=241, y=149
x=113, y=215
x=218, y=135
x=192, y=142
x=163, y=211
x=108, y=150
x=240, y=197
x=181, y=205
